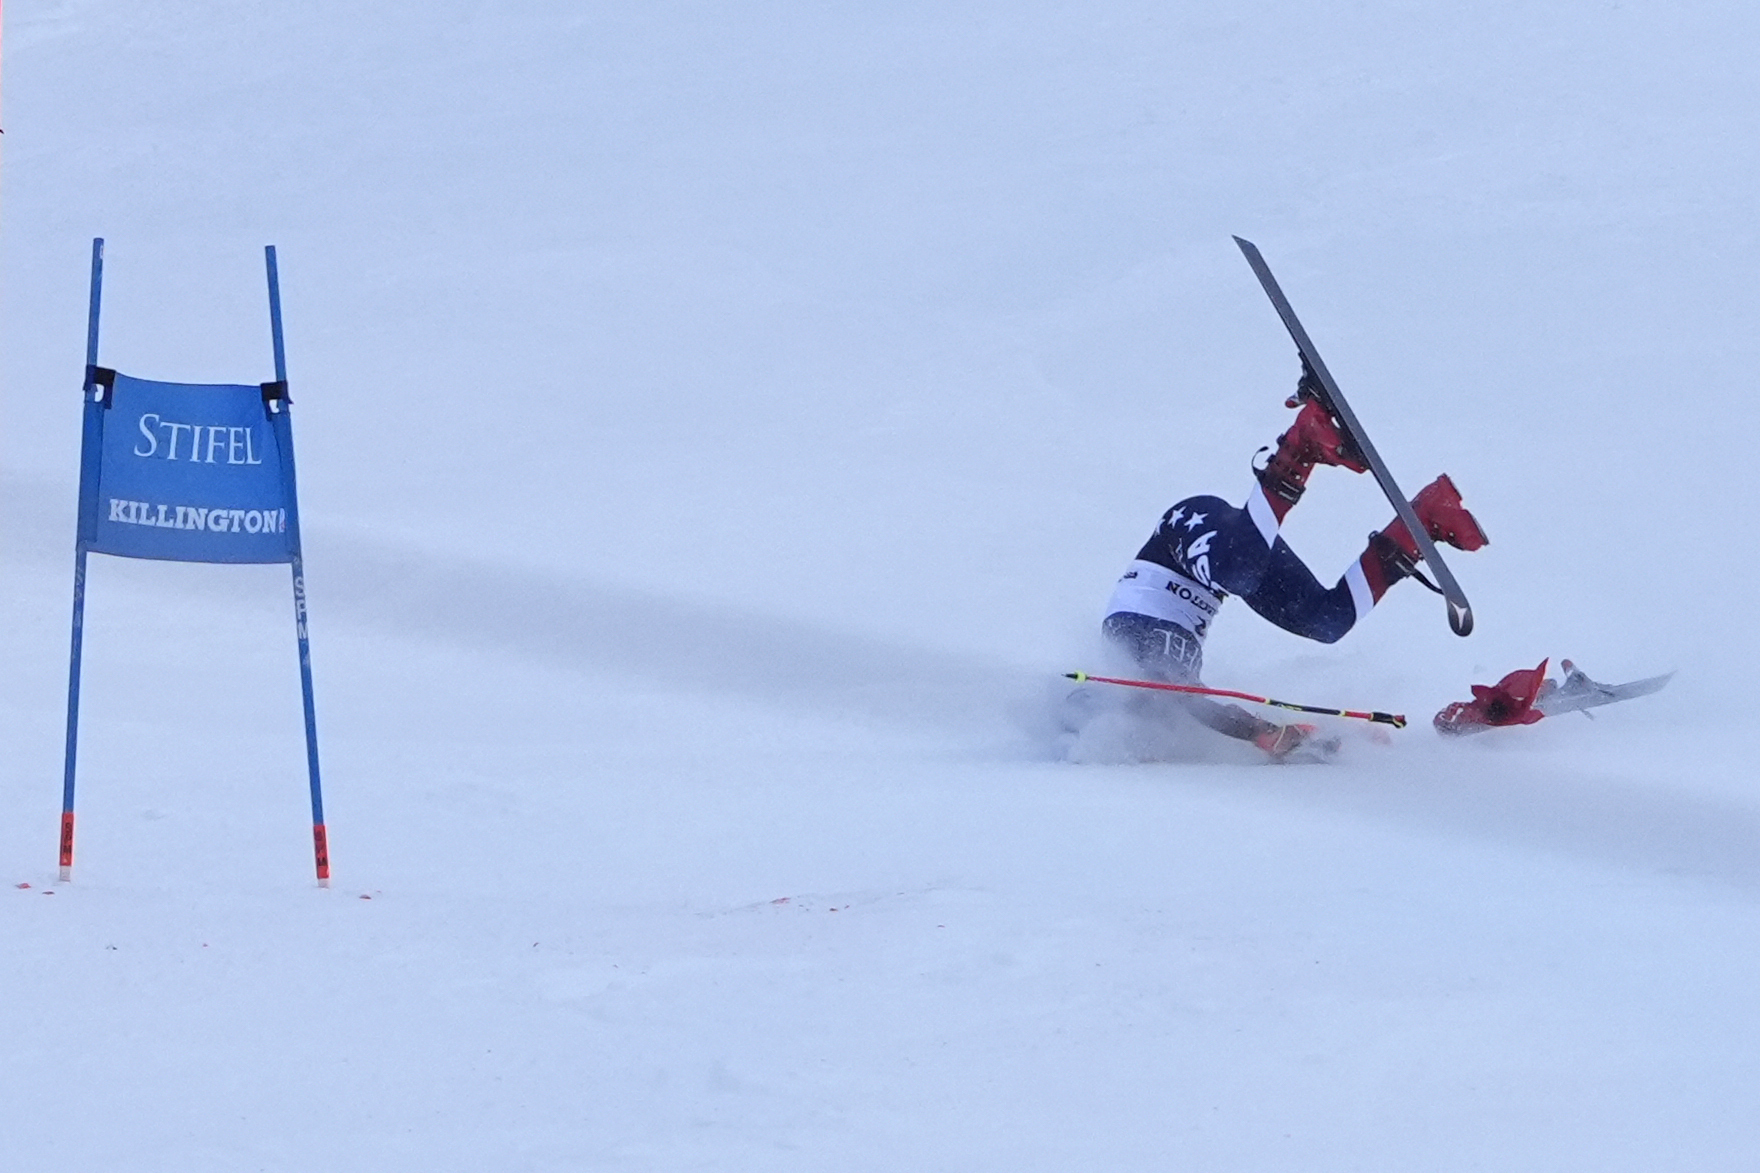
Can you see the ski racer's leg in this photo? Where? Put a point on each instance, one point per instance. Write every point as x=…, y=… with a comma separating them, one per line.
x=1290, y=596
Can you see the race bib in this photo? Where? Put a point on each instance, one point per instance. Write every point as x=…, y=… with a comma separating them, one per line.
x=1155, y=591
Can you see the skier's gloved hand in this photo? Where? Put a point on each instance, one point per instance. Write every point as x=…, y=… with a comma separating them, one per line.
x=1281, y=740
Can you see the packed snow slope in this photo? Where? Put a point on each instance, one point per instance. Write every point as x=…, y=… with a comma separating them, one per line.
x=718, y=426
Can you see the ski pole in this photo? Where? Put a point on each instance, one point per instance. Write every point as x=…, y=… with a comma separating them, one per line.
x=1397, y=720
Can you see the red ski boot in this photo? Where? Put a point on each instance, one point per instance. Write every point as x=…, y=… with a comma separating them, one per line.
x=1393, y=555
x=1315, y=438
x=1438, y=506
x=1508, y=702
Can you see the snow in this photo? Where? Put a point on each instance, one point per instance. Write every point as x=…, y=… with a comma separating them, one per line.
x=718, y=426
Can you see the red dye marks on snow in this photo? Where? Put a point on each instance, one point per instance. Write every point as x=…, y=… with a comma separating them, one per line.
x=780, y=900
x=21, y=885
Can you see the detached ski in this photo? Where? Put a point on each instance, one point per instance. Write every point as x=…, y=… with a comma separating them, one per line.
x=1576, y=693
x=1460, y=612
x=1528, y=695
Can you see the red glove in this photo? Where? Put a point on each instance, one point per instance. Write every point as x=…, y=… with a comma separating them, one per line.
x=1281, y=740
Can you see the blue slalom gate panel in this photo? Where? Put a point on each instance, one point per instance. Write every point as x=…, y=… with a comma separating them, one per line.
x=189, y=473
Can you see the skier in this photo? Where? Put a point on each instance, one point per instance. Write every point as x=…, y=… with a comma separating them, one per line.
x=1206, y=549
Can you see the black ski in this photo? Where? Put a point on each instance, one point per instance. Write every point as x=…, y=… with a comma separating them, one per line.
x=1460, y=612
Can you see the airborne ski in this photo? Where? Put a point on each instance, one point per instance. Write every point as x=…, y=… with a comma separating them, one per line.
x=1460, y=612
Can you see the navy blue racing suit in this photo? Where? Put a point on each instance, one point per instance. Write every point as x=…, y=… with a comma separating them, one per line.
x=1204, y=550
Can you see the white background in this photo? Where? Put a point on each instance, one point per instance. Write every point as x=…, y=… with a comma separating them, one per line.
x=717, y=426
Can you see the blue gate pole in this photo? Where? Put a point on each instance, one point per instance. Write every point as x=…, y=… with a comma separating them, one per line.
x=284, y=433
x=91, y=442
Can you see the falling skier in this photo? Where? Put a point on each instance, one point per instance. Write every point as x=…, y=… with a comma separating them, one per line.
x=1206, y=549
